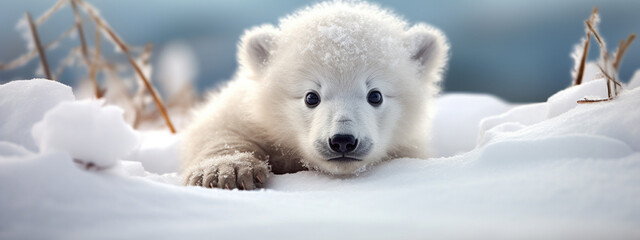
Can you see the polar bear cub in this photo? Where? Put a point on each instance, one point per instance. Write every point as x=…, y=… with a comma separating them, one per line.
x=335, y=87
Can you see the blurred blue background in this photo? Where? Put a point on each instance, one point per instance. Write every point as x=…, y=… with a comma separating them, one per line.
x=517, y=50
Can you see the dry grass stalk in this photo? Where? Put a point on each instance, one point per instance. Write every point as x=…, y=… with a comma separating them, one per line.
x=146, y=55
x=594, y=15
x=50, y=12
x=141, y=114
x=83, y=41
x=604, y=55
x=85, y=50
x=595, y=33
x=19, y=61
x=583, y=101
x=36, y=40
x=593, y=19
x=622, y=48
x=93, y=69
x=583, y=61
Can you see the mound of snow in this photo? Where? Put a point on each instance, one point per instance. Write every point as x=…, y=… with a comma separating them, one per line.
x=613, y=120
x=568, y=98
x=455, y=112
x=8, y=149
x=158, y=152
x=89, y=132
x=635, y=80
x=23, y=103
x=514, y=119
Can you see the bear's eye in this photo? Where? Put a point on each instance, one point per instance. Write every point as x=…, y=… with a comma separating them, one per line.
x=375, y=98
x=312, y=99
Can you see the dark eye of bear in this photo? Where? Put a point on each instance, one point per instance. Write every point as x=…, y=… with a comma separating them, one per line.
x=375, y=98
x=312, y=99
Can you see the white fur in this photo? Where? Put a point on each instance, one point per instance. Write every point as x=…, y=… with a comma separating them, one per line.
x=342, y=51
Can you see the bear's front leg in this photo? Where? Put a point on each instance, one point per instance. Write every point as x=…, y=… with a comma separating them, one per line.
x=240, y=170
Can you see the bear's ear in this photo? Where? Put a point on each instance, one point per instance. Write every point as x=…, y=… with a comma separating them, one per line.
x=256, y=48
x=428, y=47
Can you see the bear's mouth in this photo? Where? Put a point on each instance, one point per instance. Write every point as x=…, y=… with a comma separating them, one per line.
x=344, y=159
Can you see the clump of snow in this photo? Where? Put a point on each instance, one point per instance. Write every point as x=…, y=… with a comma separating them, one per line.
x=89, y=132
x=178, y=68
x=23, y=103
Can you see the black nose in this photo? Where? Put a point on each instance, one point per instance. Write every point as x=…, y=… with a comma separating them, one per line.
x=343, y=143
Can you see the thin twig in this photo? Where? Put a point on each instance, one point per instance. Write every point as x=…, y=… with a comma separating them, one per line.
x=583, y=61
x=622, y=49
x=146, y=55
x=143, y=58
x=609, y=80
x=85, y=49
x=20, y=60
x=594, y=13
x=50, y=12
x=36, y=40
x=83, y=41
x=93, y=67
x=595, y=33
x=594, y=100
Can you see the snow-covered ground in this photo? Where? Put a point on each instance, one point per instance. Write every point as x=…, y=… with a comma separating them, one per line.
x=551, y=170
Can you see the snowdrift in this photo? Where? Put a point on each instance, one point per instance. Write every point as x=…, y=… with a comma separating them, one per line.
x=551, y=170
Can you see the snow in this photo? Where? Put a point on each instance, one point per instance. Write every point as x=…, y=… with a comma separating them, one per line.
x=608, y=126
x=158, y=152
x=550, y=170
x=455, y=112
x=23, y=103
x=89, y=132
x=567, y=99
x=8, y=149
x=635, y=80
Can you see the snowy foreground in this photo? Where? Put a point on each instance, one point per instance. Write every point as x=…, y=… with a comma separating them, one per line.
x=552, y=170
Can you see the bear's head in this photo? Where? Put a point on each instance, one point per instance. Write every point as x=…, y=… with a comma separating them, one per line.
x=344, y=85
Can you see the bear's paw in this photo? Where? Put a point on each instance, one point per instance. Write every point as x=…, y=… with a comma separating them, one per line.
x=241, y=170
